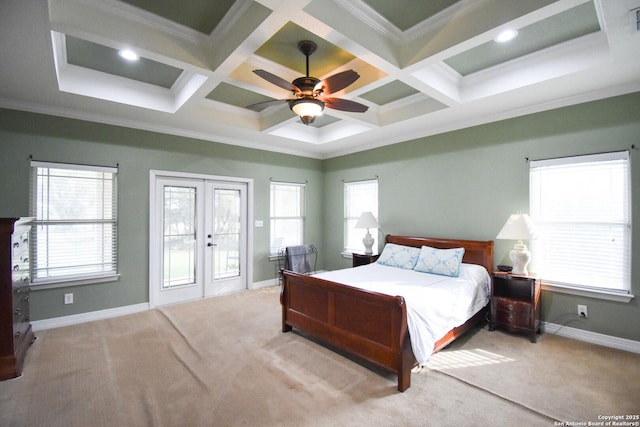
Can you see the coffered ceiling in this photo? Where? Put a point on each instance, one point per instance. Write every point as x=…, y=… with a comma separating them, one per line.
x=425, y=67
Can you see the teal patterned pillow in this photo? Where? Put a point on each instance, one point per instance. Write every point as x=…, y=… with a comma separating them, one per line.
x=399, y=256
x=445, y=262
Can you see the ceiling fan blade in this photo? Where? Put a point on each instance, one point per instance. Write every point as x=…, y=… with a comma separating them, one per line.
x=339, y=81
x=278, y=81
x=259, y=106
x=345, y=105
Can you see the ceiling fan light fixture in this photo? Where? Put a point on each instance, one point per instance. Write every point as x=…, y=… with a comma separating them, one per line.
x=307, y=108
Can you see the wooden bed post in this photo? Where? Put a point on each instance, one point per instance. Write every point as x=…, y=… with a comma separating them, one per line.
x=284, y=304
x=407, y=362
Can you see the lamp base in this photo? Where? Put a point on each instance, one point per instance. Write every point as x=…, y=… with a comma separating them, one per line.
x=368, y=243
x=520, y=257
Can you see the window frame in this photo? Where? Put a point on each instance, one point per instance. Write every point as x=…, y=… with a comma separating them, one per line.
x=301, y=218
x=371, y=205
x=53, y=281
x=620, y=160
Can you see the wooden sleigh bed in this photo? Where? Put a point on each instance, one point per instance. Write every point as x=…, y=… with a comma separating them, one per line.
x=366, y=324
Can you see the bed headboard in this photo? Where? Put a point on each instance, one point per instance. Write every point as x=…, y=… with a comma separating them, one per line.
x=475, y=251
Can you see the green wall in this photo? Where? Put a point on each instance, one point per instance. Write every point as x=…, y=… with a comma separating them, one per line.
x=461, y=184
x=136, y=152
x=464, y=184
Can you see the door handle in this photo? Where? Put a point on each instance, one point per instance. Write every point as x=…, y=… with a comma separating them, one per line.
x=211, y=244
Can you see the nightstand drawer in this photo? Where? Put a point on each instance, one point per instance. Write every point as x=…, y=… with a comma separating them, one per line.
x=514, y=318
x=512, y=306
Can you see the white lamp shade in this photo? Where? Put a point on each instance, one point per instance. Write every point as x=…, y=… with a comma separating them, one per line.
x=517, y=227
x=307, y=107
x=367, y=220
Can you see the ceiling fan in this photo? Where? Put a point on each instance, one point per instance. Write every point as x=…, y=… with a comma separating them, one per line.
x=310, y=92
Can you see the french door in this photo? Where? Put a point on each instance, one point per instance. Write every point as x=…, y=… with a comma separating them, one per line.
x=198, y=238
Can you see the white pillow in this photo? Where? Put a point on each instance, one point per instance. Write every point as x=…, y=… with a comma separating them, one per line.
x=445, y=262
x=399, y=256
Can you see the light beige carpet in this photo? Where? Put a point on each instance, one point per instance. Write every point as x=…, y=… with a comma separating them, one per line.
x=565, y=379
x=224, y=362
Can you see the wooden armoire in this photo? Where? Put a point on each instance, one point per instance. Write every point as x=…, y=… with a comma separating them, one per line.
x=15, y=277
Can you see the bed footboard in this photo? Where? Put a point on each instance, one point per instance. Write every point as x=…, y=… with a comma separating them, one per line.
x=366, y=324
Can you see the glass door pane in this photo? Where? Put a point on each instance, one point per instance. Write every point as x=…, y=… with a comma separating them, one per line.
x=227, y=228
x=179, y=236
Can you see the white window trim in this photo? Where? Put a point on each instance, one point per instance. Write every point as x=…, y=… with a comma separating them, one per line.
x=303, y=210
x=345, y=252
x=588, y=292
x=604, y=294
x=53, y=283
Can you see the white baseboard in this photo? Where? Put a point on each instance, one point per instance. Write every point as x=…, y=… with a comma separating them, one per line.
x=272, y=282
x=58, y=322
x=264, y=284
x=592, y=337
x=74, y=319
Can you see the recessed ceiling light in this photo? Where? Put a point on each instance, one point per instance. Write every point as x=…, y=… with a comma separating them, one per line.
x=506, y=35
x=128, y=54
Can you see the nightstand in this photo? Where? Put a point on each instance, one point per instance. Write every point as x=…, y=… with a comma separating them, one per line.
x=363, y=259
x=515, y=303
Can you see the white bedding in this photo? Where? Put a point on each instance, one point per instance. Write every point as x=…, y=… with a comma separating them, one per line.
x=435, y=304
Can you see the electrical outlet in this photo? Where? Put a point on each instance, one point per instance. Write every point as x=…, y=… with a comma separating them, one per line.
x=582, y=310
x=68, y=298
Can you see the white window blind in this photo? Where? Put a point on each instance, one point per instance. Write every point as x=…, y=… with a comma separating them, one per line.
x=287, y=215
x=581, y=208
x=75, y=228
x=359, y=196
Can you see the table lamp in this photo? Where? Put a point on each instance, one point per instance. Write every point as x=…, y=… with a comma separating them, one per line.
x=518, y=227
x=367, y=220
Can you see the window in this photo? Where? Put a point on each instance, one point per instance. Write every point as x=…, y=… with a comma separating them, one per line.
x=75, y=227
x=287, y=215
x=581, y=208
x=359, y=196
